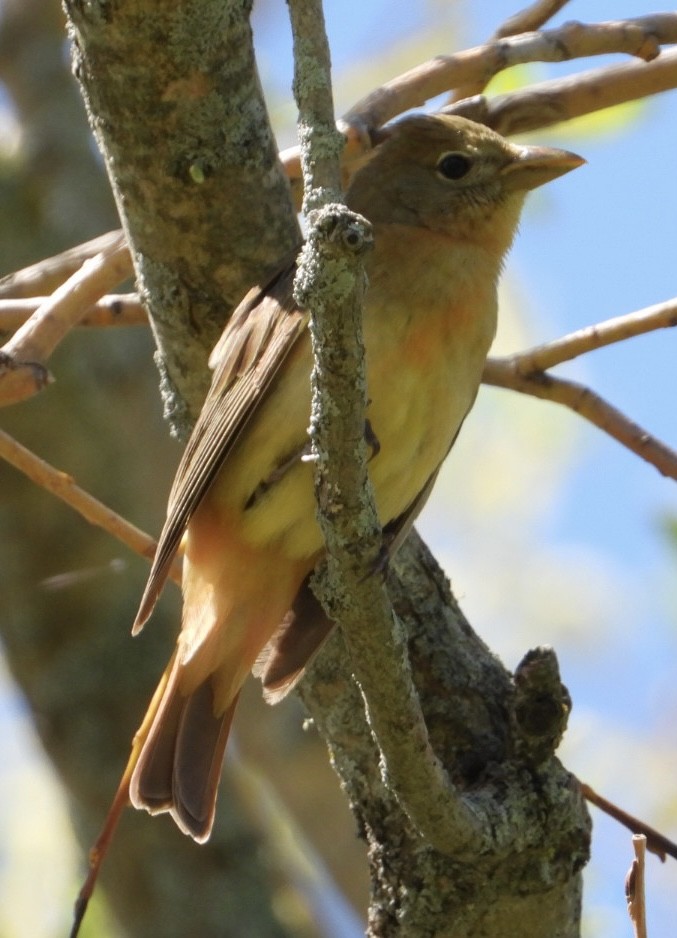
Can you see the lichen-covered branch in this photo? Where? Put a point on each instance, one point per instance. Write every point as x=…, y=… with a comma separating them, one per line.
x=330, y=282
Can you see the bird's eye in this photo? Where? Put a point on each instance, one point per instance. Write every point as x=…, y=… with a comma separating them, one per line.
x=453, y=165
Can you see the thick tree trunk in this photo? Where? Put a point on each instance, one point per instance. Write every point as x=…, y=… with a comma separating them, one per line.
x=175, y=102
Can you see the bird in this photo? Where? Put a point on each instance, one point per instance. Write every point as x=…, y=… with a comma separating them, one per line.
x=443, y=195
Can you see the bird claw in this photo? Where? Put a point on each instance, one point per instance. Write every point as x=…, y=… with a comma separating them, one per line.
x=371, y=440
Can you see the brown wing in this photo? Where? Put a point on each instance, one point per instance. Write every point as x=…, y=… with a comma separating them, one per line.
x=245, y=360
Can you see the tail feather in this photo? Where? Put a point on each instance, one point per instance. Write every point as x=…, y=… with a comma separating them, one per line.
x=179, y=765
x=200, y=746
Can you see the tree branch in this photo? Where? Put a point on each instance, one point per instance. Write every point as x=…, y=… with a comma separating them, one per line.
x=586, y=403
x=50, y=272
x=527, y=20
x=634, y=887
x=526, y=372
x=640, y=37
x=563, y=99
x=568, y=347
x=330, y=283
x=22, y=359
x=199, y=171
x=91, y=509
x=656, y=842
x=530, y=18
x=122, y=309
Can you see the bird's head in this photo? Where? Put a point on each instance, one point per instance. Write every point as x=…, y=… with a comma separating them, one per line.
x=453, y=176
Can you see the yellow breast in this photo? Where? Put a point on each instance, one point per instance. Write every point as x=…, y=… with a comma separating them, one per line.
x=427, y=330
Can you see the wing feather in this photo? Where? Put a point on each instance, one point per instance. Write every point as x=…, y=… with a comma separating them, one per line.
x=254, y=344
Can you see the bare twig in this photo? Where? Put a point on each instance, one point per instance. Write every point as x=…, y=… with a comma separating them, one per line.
x=98, y=851
x=589, y=405
x=562, y=99
x=568, y=347
x=23, y=357
x=634, y=887
x=641, y=37
x=49, y=273
x=656, y=842
x=526, y=372
x=530, y=18
x=91, y=509
x=122, y=309
x=527, y=20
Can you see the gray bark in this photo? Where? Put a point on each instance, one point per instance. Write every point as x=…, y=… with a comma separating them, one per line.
x=175, y=102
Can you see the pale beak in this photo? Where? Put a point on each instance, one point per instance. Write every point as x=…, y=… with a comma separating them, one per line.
x=534, y=166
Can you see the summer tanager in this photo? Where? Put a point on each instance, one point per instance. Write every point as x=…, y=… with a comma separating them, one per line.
x=444, y=196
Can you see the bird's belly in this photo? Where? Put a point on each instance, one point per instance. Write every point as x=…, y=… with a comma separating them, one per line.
x=420, y=388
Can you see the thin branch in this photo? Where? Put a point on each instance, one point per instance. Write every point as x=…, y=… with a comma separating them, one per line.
x=589, y=405
x=640, y=37
x=634, y=888
x=320, y=143
x=528, y=20
x=91, y=509
x=48, y=274
x=122, y=309
x=23, y=357
x=656, y=842
x=563, y=99
x=568, y=347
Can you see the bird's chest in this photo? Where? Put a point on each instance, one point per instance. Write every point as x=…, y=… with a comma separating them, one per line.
x=424, y=365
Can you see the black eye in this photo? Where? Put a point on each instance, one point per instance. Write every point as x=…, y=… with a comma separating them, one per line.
x=454, y=165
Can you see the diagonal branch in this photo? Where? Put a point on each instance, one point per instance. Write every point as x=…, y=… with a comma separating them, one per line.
x=122, y=309
x=23, y=370
x=586, y=403
x=563, y=99
x=91, y=509
x=50, y=272
x=528, y=20
x=656, y=842
x=641, y=37
x=568, y=347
